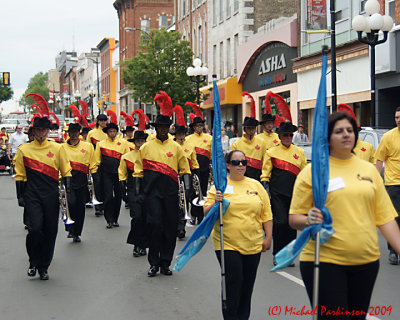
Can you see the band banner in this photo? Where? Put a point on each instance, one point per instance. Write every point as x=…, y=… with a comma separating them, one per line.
x=316, y=15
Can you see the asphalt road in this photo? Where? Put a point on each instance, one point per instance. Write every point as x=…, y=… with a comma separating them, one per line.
x=99, y=279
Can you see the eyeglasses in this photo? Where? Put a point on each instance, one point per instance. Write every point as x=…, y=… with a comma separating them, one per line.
x=286, y=135
x=237, y=162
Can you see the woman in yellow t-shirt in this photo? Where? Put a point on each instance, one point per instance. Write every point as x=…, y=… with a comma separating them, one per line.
x=358, y=203
x=247, y=218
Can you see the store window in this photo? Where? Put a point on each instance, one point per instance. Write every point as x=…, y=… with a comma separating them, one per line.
x=285, y=95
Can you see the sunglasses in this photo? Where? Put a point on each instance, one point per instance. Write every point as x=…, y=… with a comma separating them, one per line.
x=286, y=135
x=237, y=162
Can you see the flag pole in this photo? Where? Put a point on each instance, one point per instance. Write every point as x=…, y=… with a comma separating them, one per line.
x=221, y=232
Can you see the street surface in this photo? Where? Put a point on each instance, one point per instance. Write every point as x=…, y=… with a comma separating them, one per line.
x=99, y=278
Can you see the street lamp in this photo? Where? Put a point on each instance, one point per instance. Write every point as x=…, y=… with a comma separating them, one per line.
x=91, y=96
x=197, y=74
x=372, y=25
x=77, y=95
x=95, y=52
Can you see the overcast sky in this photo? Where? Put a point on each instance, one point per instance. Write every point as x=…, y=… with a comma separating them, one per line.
x=32, y=33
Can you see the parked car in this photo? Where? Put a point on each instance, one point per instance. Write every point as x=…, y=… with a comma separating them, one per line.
x=307, y=147
x=373, y=136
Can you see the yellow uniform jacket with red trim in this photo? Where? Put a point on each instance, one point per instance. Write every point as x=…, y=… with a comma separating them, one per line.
x=254, y=150
x=81, y=159
x=281, y=166
x=190, y=154
x=127, y=166
x=270, y=139
x=108, y=154
x=40, y=164
x=203, y=146
x=158, y=163
x=96, y=135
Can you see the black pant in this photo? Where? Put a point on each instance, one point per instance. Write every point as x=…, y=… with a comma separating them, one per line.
x=42, y=221
x=138, y=235
x=196, y=211
x=76, y=205
x=282, y=233
x=112, y=196
x=181, y=220
x=162, y=219
x=345, y=287
x=98, y=190
x=394, y=194
x=240, y=275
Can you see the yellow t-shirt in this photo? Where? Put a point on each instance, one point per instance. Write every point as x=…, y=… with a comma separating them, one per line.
x=249, y=208
x=365, y=151
x=389, y=152
x=357, y=201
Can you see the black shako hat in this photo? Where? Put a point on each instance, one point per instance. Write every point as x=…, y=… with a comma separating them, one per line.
x=74, y=127
x=286, y=127
x=139, y=135
x=41, y=123
x=180, y=129
x=110, y=126
x=101, y=117
x=161, y=120
x=250, y=122
x=128, y=128
x=267, y=117
x=197, y=120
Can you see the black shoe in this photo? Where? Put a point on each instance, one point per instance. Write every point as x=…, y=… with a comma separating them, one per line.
x=181, y=234
x=152, y=271
x=26, y=227
x=31, y=271
x=43, y=275
x=109, y=225
x=70, y=235
x=98, y=213
x=136, y=251
x=393, y=258
x=166, y=271
x=115, y=224
x=76, y=239
x=192, y=221
x=292, y=265
x=142, y=252
x=126, y=205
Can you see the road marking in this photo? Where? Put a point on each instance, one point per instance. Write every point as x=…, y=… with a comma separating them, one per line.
x=300, y=282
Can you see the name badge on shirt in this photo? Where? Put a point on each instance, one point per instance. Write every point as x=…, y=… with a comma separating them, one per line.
x=336, y=184
x=229, y=189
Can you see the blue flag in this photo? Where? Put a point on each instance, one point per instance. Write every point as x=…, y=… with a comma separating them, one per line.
x=203, y=231
x=320, y=179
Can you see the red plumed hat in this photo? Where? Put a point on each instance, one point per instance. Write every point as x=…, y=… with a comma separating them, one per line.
x=143, y=119
x=180, y=118
x=164, y=102
x=283, y=110
x=85, y=108
x=128, y=119
x=195, y=108
x=41, y=102
x=252, y=104
x=113, y=116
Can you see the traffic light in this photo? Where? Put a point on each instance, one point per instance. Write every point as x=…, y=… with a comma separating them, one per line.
x=6, y=78
x=104, y=97
x=100, y=104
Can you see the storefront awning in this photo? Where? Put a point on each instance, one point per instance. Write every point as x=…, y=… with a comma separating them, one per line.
x=230, y=92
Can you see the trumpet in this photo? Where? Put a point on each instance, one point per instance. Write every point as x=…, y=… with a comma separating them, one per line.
x=93, y=201
x=182, y=199
x=199, y=201
x=65, y=216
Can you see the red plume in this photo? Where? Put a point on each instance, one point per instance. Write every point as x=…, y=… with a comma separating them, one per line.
x=192, y=116
x=84, y=121
x=40, y=102
x=195, y=108
x=164, y=102
x=35, y=115
x=267, y=107
x=75, y=112
x=283, y=110
x=112, y=115
x=55, y=118
x=180, y=118
x=85, y=108
x=34, y=106
x=142, y=119
x=347, y=109
x=92, y=125
x=128, y=119
x=252, y=104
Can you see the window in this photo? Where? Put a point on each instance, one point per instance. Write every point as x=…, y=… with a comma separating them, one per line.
x=214, y=13
x=341, y=10
x=194, y=42
x=221, y=60
x=362, y=6
x=200, y=36
x=391, y=9
x=228, y=8
x=184, y=8
x=215, y=59
x=228, y=57
x=221, y=10
x=162, y=21
x=235, y=5
x=145, y=25
x=235, y=45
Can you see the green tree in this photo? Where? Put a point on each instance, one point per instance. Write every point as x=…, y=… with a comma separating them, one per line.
x=160, y=64
x=6, y=93
x=37, y=84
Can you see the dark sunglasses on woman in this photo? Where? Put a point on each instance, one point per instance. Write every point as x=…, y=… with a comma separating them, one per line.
x=237, y=162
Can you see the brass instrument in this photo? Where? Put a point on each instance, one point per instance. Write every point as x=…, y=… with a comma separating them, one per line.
x=65, y=216
x=199, y=201
x=93, y=201
x=210, y=177
x=182, y=199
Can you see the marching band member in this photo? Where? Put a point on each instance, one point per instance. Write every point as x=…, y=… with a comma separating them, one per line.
x=281, y=166
x=138, y=234
x=202, y=143
x=37, y=166
x=84, y=133
x=190, y=154
x=108, y=155
x=269, y=137
x=156, y=173
x=81, y=159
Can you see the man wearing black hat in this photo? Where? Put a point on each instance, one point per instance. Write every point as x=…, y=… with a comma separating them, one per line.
x=202, y=143
x=37, y=167
x=190, y=154
x=252, y=147
x=138, y=234
x=81, y=159
x=269, y=137
x=84, y=133
x=281, y=166
x=156, y=173
x=108, y=155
